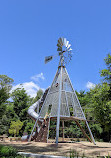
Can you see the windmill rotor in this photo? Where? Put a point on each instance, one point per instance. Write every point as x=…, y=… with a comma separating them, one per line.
x=64, y=49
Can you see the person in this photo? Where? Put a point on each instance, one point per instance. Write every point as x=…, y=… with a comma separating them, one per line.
x=45, y=118
x=57, y=84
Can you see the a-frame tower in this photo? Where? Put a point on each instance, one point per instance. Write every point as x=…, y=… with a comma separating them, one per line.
x=61, y=100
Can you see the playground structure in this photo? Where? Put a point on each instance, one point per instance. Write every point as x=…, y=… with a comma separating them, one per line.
x=59, y=102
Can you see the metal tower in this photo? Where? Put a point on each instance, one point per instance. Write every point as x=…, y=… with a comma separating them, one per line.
x=61, y=100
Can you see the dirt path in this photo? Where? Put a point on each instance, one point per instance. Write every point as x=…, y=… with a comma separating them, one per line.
x=100, y=149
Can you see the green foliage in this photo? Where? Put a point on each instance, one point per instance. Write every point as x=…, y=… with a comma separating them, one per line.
x=83, y=99
x=106, y=73
x=99, y=102
x=5, y=87
x=6, y=81
x=72, y=130
x=6, y=151
x=38, y=96
x=9, y=152
x=96, y=130
x=8, y=116
x=29, y=127
x=98, y=111
x=21, y=102
x=74, y=154
x=4, y=95
x=15, y=127
x=2, y=110
x=101, y=105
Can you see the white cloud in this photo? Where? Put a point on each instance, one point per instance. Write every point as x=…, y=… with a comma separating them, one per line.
x=37, y=77
x=30, y=87
x=90, y=85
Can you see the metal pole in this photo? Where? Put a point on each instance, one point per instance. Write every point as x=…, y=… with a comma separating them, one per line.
x=48, y=130
x=32, y=131
x=58, y=114
x=34, y=124
x=63, y=131
x=90, y=133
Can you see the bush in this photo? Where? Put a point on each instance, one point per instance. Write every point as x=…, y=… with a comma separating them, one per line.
x=8, y=152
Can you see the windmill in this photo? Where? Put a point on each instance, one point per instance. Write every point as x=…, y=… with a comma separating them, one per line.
x=61, y=96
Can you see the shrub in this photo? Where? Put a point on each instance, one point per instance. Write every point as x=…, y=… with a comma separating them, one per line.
x=9, y=152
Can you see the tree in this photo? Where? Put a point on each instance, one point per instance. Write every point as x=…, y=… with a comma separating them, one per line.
x=29, y=126
x=15, y=126
x=38, y=96
x=8, y=116
x=100, y=102
x=21, y=102
x=82, y=98
x=5, y=87
x=106, y=73
x=102, y=106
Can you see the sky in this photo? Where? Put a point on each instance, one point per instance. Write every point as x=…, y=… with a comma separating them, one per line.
x=29, y=30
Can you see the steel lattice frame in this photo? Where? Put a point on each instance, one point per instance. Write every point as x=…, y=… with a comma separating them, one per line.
x=62, y=97
x=68, y=98
x=61, y=100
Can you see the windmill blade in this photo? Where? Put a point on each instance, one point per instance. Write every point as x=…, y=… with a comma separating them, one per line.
x=65, y=41
x=59, y=49
x=58, y=44
x=60, y=41
x=69, y=49
x=68, y=46
x=48, y=58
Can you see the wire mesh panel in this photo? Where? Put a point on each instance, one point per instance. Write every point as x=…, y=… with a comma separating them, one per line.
x=77, y=107
x=44, y=109
x=69, y=103
x=65, y=82
x=64, y=111
x=55, y=104
x=50, y=105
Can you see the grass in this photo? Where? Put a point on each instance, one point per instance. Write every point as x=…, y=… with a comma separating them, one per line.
x=75, y=154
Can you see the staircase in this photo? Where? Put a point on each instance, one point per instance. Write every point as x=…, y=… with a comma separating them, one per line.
x=42, y=135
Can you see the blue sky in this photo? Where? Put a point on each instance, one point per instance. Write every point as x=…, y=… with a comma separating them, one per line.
x=29, y=31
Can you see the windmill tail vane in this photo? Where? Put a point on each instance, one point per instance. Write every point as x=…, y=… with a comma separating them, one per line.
x=48, y=58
